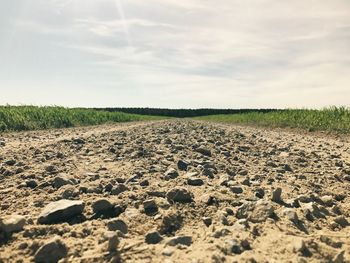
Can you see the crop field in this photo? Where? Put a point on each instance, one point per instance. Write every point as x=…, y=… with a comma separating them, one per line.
x=20, y=118
x=333, y=119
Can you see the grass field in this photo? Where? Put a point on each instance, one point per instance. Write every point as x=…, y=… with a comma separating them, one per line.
x=20, y=118
x=334, y=119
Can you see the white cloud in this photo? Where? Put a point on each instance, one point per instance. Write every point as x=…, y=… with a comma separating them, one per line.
x=195, y=53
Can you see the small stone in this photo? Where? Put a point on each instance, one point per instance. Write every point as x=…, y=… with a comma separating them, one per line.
x=182, y=240
x=60, y=211
x=11, y=224
x=276, y=195
x=260, y=193
x=342, y=221
x=118, y=189
x=101, y=206
x=233, y=247
x=236, y=189
x=327, y=200
x=204, y=151
x=339, y=258
x=31, y=184
x=299, y=246
x=153, y=238
x=179, y=195
x=51, y=252
x=10, y=162
x=207, y=221
x=171, y=174
x=113, y=240
x=290, y=214
x=195, y=181
x=150, y=207
x=117, y=224
x=167, y=252
x=255, y=212
x=182, y=165
x=60, y=181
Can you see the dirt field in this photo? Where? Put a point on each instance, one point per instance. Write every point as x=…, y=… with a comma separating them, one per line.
x=174, y=191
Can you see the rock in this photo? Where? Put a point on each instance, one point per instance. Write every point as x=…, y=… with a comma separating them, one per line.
x=290, y=214
x=236, y=189
x=299, y=246
x=118, y=189
x=255, y=212
x=171, y=174
x=51, y=252
x=276, y=195
x=60, y=211
x=287, y=168
x=31, y=184
x=179, y=195
x=260, y=193
x=170, y=223
x=327, y=200
x=101, y=206
x=153, y=238
x=342, y=221
x=10, y=162
x=112, y=239
x=150, y=207
x=11, y=224
x=207, y=221
x=117, y=224
x=60, y=181
x=339, y=258
x=233, y=247
x=182, y=165
x=204, y=151
x=195, y=181
x=182, y=240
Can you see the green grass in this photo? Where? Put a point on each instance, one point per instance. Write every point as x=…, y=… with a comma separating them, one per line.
x=333, y=119
x=22, y=118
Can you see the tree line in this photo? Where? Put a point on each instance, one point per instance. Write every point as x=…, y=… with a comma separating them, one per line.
x=183, y=113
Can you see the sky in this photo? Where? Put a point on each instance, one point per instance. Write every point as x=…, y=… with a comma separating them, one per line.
x=175, y=54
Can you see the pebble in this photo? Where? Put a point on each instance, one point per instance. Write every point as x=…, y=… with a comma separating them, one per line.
x=118, y=189
x=51, y=252
x=255, y=212
x=290, y=214
x=179, y=195
x=204, y=151
x=101, y=206
x=117, y=224
x=153, y=237
x=207, y=221
x=171, y=174
x=195, y=181
x=60, y=181
x=112, y=240
x=182, y=165
x=11, y=224
x=150, y=207
x=182, y=240
x=276, y=195
x=60, y=211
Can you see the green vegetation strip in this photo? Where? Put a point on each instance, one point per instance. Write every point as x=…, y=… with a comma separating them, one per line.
x=333, y=119
x=21, y=118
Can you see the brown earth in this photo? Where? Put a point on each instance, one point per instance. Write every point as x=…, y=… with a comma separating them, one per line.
x=246, y=195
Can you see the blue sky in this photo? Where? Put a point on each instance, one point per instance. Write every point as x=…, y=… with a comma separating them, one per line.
x=171, y=53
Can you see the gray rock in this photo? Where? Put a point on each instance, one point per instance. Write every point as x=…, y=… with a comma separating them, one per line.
x=117, y=224
x=236, y=189
x=101, y=206
x=60, y=181
x=60, y=211
x=342, y=221
x=179, y=195
x=255, y=212
x=150, y=207
x=153, y=238
x=195, y=181
x=13, y=223
x=182, y=165
x=182, y=240
x=204, y=151
x=233, y=247
x=118, y=189
x=291, y=215
x=51, y=252
x=276, y=195
x=171, y=174
x=31, y=184
x=112, y=239
x=207, y=221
